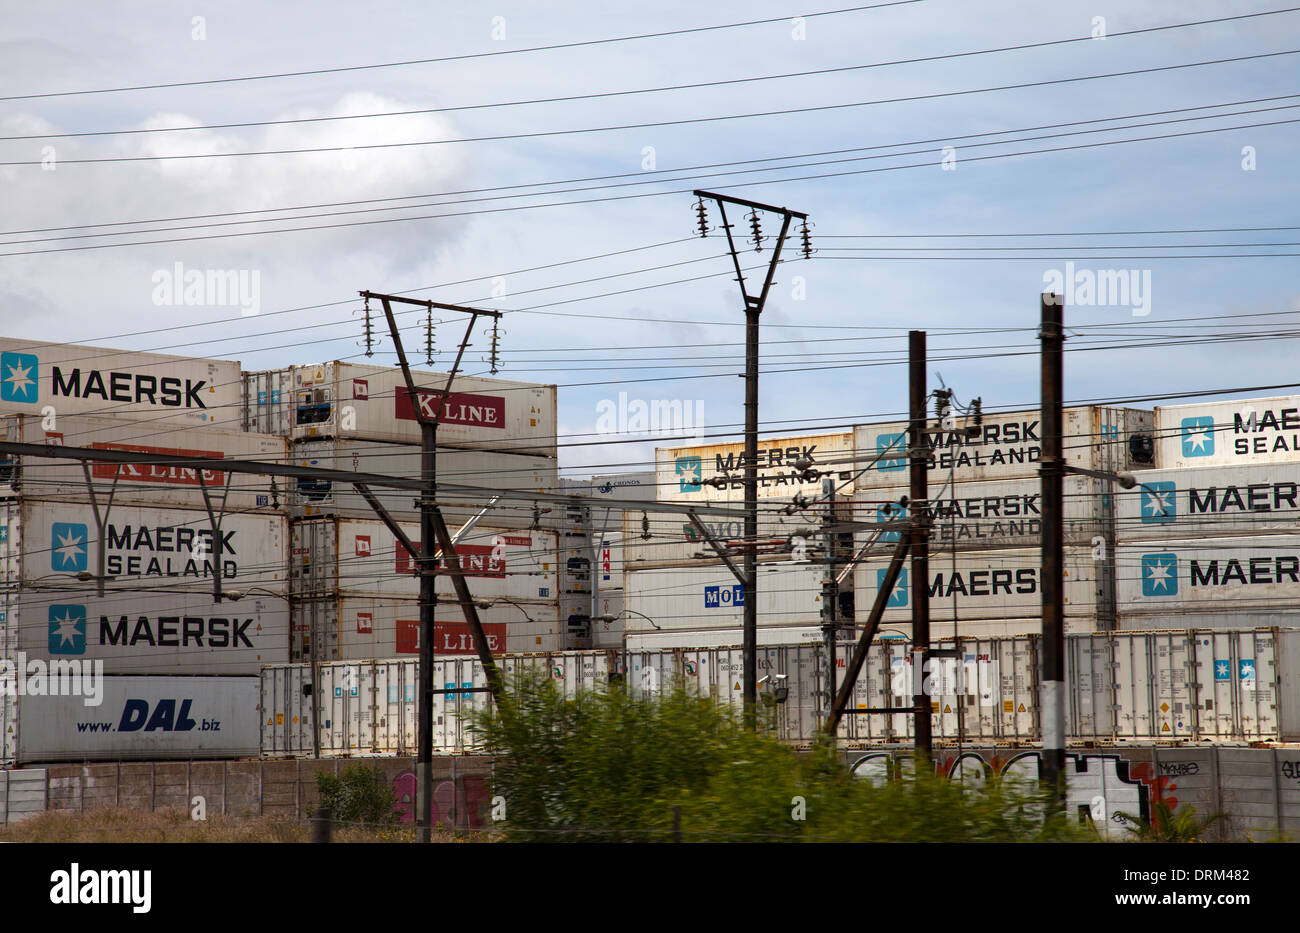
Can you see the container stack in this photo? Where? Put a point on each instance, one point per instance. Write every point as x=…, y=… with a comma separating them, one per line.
x=116, y=568
x=1211, y=539
x=353, y=585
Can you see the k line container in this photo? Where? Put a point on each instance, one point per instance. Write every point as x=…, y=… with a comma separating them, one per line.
x=492, y=472
x=358, y=628
x=1211, y=501
x=1007, y=446
x=364, y=402
x=142, y=718
x=1232, y=433
x=141, y=484
x=683, y=473
x=704, y=598
x=173, y=550
x=150, y=633
x=1258, y=574
x=156, y=387
x=994, y=514
x=331, y=556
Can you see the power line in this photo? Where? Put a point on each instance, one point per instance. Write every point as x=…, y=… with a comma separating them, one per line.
x=454, y=58
x=662, y=123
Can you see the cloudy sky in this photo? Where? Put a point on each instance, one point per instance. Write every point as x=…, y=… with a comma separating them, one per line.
x=929, y=212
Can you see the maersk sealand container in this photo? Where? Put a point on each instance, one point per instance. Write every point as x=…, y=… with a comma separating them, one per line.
x=40, y=378
x=1214, y=501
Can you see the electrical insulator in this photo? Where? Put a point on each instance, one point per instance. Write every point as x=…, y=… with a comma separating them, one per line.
x=702, y=217
x=430, y=335
x=537, y=518
x=805, y=235
x=645, y=526
x=275, y=494
x=369, y=331
x=757, y=229
x=495, y=344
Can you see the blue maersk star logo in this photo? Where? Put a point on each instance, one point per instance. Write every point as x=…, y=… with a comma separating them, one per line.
x=1198, y=436
x=18, y=377
x=1158, y=502
x=892, y=451
x=899, y=596
x=67, y=630
x=68, y=548
x=1160, y=574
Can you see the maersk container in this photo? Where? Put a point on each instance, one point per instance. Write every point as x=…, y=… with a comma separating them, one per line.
x=167, y=550
x=685, y=474
x=1006, y=446
x=151, y=633
x=140, y=718
x=988, y=585
x=704, y=598
x=1217, y=575
x=1223, y=619
x=154, y=387
x=142, y=484
x=670, y=539
x=994, y=514
x=358, y=628
x=1232, y=433
x=492, y=472
x=1211, y=501
x=365, y=402
x=363, y=558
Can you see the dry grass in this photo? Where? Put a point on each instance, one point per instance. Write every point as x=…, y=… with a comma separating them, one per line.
x=123, y=825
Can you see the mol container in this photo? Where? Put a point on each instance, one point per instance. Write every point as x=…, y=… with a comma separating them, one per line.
x=708, y=598
x=141, y=484
x=684, y=473
x=1243, y=431
x=152, y=387
x=354, y=557
x=49, y=544
x=671, y=539
x=993, y=514
x=988, y=587
x=1218, y=576
x=492, y=472
x=137, y=718
x=1211, y=501
x=355, y=627
x=152, y=633
x=1007, y=446
x=365, y=402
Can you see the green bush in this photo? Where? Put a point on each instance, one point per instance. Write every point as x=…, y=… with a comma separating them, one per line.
x=612, y=767
x=361, y=794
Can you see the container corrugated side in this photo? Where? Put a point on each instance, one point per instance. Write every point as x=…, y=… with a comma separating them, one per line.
x=1220, y=575
x=491, y=472
x=683, y=473
x=1211, y=501
x=80, y=380
x=363, y=558
x=1007, y=446
x=372, y=403
x=1240, y=431
x=167, y=550
x=137, y=484
x=703, y=598
x=143, y=718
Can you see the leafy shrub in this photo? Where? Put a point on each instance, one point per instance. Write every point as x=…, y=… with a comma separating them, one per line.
x=361, y=794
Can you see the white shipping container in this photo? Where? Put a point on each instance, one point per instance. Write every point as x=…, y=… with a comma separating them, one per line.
x=173, y=550
x=704, y=598
x=1008, y=446
x=639, y=487
x=1241, y=431
x=985, y=585
x=684, y=473
x=77, y=380
x=1212, y=501
x=493, y=472
x=673, y=540
x=148, y=633
x=268, y=402
x=142, y=718
x=363, y=558
x=993, y=514
x=366, y=402
x=143, y=484
x=651, y=640
x=1218, y=575
x=353, y=628
x=608, y=632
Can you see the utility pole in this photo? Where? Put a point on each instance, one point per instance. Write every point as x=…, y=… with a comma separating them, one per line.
x=919, y=531
x=830, y=589
x=1052, y=469
x=433, y=537
x=753, y=308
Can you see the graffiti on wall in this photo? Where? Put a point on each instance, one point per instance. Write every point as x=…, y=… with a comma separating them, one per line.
x=463, y=803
